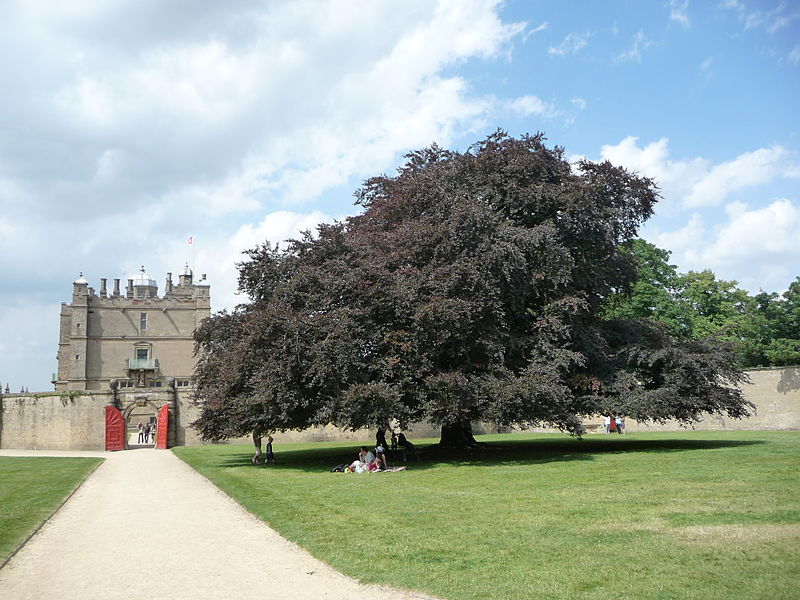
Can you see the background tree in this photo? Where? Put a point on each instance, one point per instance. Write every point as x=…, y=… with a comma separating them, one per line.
x=776, y=340
x=473, y=286
x=655, y=293
x=764, y=329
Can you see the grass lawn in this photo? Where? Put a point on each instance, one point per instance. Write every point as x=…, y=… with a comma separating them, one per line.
x=649, y=515
x=31, y=488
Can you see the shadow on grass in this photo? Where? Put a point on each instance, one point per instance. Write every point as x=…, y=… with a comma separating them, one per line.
x=505, y=453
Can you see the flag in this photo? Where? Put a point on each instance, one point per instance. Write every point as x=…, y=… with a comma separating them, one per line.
x=191, y=240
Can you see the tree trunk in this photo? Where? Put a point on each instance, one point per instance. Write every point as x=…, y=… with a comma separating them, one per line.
x=457, y=435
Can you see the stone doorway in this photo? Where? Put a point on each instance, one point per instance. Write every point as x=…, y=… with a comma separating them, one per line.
x=143, y=413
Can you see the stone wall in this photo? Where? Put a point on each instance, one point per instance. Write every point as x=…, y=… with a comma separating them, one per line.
x=75, y=420
x=53, y=421
x=774, y=391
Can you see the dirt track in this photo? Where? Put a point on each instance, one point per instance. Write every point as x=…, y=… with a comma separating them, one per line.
x=146, y=525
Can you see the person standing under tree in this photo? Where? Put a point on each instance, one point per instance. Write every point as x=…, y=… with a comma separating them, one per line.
x=269, y=455
x=380, y=435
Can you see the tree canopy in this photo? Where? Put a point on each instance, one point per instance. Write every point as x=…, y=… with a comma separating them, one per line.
x=472, y=286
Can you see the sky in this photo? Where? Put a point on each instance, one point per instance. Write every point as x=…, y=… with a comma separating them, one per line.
x=127, y=127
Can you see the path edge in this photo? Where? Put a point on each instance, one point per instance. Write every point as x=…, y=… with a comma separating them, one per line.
x=36, y=530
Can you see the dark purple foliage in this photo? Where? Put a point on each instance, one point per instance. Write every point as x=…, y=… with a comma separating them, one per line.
x=470, y=288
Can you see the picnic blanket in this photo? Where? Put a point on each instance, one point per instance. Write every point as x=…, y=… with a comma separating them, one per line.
x=341, y=469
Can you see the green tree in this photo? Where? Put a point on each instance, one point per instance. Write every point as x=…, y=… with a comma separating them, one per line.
x=471, y=287
x=655, y=292
x=696, y=305
x=716, y=306
x=776, y=340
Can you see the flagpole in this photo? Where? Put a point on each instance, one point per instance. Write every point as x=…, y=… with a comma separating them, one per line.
x=191, y=243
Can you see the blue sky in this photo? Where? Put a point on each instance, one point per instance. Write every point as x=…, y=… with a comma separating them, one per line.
x=133, y=125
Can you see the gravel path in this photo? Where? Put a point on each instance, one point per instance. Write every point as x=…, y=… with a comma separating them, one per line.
x=144, y=524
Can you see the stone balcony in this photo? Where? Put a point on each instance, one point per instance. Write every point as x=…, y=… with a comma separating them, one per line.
x=143, y=364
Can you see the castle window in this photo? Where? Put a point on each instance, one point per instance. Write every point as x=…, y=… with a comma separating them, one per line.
x=155, y=384
x=143, y=322
x=142, y=354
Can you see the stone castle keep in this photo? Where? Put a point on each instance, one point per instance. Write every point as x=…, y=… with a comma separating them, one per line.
x=135, y=338
x=126, y=357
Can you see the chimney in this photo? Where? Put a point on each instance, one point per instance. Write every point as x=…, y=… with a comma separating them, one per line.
x=116, y=288
x=103, y=293
x=129, y=289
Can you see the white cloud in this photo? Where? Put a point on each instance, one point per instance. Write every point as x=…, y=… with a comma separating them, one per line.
x=746, y=170
x=639, y=44
x=756, y=246
x=679, y=12
x=531, y=105
x=571, y=44
x=794, y=55
x=675, y=177
x=685, y=243
x=770, y=21
x=229, y=112
x=696, y=182
x=238, y=113
x=579, y=102
x=219, y=255
x=535, y=30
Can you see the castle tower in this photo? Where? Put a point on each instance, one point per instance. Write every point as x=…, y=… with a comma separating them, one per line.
x=139, y=339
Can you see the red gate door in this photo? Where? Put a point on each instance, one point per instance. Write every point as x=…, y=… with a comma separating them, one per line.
x=163, y=427
x=115, y=429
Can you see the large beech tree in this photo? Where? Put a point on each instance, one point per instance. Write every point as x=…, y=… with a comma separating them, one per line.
x=470, y=287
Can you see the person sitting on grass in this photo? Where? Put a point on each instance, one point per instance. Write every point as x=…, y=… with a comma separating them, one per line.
x=365, y=458
x=402, y=442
